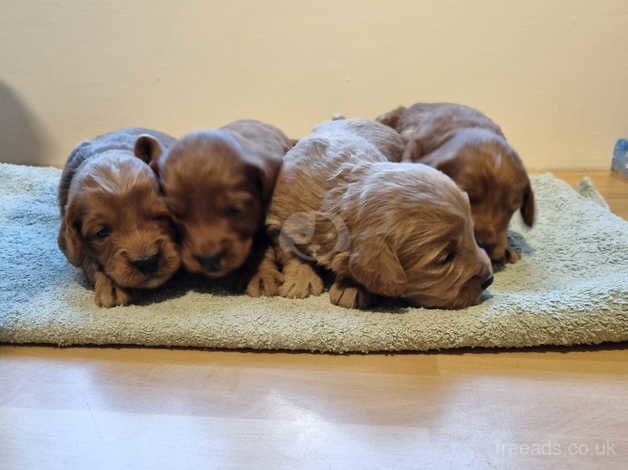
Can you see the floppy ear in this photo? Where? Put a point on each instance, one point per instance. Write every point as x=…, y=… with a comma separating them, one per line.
x=528, y=206
x=266, y=170
x=391, y=118
x=377, y=268
x=69, y=239
x=148, y=149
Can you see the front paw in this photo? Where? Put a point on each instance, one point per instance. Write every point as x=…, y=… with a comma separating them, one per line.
x=349, y=295
x=511, y=256
x=265, y=282
x=108, y=294
x=300, y=280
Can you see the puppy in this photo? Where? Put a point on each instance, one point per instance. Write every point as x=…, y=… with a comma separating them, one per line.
x=391, y=229
x=114, y=223
x=470, y=148
x=217, y=185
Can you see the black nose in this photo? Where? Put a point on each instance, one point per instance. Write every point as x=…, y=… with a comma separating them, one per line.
x=487, y=283
x=147, y=264
x=210, y=263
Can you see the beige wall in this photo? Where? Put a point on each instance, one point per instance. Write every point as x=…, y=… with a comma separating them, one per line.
x=553, y=73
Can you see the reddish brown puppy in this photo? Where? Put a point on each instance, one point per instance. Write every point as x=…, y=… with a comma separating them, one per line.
x=218, y=184
x=390, y=229
x=114, y=223
x=471, y=149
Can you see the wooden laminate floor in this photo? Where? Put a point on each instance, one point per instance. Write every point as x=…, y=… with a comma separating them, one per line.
x=135, y=408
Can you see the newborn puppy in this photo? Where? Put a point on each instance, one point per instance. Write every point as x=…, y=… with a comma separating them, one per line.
x=114, y=223
x=217, y=185
x=472, y=150
x=391, y=229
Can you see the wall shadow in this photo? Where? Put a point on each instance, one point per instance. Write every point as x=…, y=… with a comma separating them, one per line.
x=22, y=138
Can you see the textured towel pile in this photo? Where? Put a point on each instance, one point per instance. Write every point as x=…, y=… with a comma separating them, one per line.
x=571, y=287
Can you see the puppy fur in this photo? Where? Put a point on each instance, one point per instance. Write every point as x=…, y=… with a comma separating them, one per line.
x=218, y=184
x=471, y=149
x=114, y=223
x=391, y=229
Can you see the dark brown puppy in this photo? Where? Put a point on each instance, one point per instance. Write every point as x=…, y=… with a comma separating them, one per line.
x=471, y=149
x=218, y=184
x=114, y=223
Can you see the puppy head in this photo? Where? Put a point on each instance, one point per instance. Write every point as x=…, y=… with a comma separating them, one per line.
x=493, y=176
x=416, y=240
x=391, y=118
x=217, y=196
x=115, y=216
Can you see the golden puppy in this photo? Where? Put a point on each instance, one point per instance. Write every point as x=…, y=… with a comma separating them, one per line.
x=472, y=150
x=392, y=229
x=114, y=223
x=217, y=185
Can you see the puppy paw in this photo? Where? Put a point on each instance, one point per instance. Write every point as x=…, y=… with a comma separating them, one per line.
x=511, y=256
x=349, y=295
x=300, y=280
x=265, y=282
x=108, y=294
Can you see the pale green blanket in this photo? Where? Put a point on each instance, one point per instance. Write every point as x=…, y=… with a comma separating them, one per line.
x=571, y=287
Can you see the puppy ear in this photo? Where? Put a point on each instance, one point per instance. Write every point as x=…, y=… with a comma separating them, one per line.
x=391, y=118
x=377, y=268
x=69, y=240
x=268, y=175
x=265, y=171
x=528, y=206
x=148, y=149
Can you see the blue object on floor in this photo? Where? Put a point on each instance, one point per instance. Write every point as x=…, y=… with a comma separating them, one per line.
x=620, y=158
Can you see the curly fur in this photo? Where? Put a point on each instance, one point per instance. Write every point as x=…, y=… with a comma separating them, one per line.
x=470, y=148
x=114, y=223
x=217, y=185
x=383, y=228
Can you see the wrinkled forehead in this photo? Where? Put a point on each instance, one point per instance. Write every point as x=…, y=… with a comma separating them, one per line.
x=207, y=179
x=115, y=172
x=211, y=182
x=492, y=172
x=435, y=190
x=201, y=157
x=139, y=201
x=204, y=196
x=437, y=216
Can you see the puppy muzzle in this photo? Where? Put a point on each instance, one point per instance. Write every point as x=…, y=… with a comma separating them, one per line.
x=211, y=264
x=147, y=265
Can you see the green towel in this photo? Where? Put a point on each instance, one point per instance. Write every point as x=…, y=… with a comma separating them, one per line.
x=571, y=287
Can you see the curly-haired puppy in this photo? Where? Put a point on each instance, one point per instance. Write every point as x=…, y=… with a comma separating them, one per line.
x=217, y=185
x=393, y=229
x=114, y=223
x=470, y=148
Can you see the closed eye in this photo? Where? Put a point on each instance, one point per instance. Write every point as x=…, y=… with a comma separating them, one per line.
x=102, y=233
x=446, y=256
